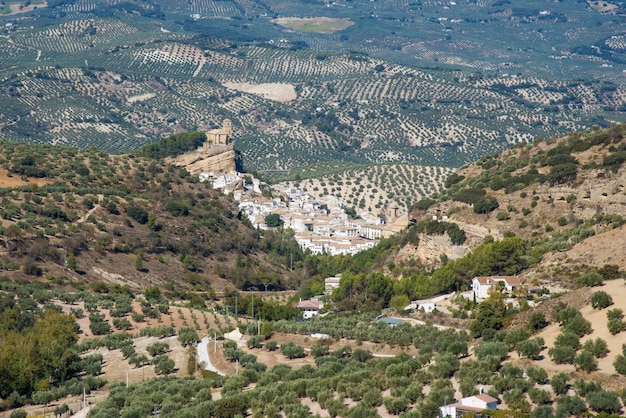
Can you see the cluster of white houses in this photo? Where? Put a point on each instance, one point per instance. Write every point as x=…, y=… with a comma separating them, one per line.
x=321, y=225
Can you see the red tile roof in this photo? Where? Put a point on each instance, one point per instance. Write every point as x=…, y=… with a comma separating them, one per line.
x=307, y=304
x=486, y=398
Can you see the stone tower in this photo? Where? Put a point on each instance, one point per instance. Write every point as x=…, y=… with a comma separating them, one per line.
x=220, y=136
x=228, y=128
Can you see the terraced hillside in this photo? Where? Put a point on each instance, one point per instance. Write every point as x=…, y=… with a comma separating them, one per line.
x=376, y=188
x=120, y=74
x=118, y=85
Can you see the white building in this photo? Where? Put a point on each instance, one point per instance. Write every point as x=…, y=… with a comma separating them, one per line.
x=331, y=283
x=345, y=231
x=472, y=404
x=426, y=305
x=483, y=286
x=309, y=308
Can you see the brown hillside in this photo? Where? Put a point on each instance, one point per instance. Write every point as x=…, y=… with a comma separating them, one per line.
x=121, y=220
x=537, y=205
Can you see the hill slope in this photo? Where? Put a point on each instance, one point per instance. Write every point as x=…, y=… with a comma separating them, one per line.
x=92, y=218
x=561, y=195
x=119, y=75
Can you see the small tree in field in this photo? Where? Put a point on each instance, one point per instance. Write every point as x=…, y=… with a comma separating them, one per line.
x=620, y=361
x=163, y=364
x=586, y=361
x=601, y=300
x=187, y=336
x=399, y=302
x=292, y=350
x=559, y=383
x=138, y=260
x=537, y=321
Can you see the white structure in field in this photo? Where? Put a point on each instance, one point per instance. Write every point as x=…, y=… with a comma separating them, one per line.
x=426, y=305
x=483, y=286
x=309, y=308
x=472, y=404
x=331, y=283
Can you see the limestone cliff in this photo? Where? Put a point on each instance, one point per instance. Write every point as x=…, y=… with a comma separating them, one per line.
x=216, y=158
x=430, y=249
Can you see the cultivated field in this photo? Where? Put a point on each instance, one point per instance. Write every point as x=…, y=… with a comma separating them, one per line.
x=105, y=75
x=376, y=188
x=324, y=25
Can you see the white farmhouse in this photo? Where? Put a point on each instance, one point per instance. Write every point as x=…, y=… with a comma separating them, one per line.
x=472, y=405
x=426, y=305
x=483, y=286
x=309, y=308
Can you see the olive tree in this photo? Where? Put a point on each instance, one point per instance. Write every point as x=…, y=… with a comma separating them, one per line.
x=601, y=300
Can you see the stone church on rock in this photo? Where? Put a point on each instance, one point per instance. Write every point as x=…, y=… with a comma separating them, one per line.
x=220, y=136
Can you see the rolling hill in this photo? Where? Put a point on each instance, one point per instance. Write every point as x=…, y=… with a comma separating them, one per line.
x=118, y=75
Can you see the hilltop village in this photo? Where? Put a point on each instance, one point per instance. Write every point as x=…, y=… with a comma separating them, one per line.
x=321, y=224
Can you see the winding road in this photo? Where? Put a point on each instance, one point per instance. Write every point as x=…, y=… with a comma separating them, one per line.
x=203, y=356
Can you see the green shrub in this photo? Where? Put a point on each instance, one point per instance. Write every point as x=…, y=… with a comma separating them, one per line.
x=586, y=361
x=423, y=204
x=592, y=278
x=139, y=214
x=187, y=336
x=601, y=300
x=157, y=348
x=453, y=179
x=597, y=347
x=486, y=205
x=604, y=402
x=163, y=364
x=502, y=216
x=255, y=341
x=620, y=361
x=562, y=173
x=292, y=350
x=616, y=326
x=559, y=383
x=562, y=354
x=537, y=321
x=470, y=195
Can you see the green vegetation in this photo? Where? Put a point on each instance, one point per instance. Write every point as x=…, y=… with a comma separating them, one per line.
x=173, y=145
x=98, y=93
x=273, y=220
x=456, y=234
x=601, y=300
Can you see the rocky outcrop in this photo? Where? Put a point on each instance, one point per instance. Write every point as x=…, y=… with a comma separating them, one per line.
x=430, y=249
x=216, y=158
x=598, y=190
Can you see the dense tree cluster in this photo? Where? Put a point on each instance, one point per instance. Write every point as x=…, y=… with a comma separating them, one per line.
x=433, y=227
x=173, y=145
x=36, y=347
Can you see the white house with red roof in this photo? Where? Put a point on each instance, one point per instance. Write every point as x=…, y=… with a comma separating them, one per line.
x=309, y=308
x=483, y=286
x=472, y=404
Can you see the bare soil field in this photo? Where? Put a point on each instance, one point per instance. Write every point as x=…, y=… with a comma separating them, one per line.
x=606, y=372
x=326, y=25
x=16, y=181
x=278, y=92
x=606, y=248
x=17, y=8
